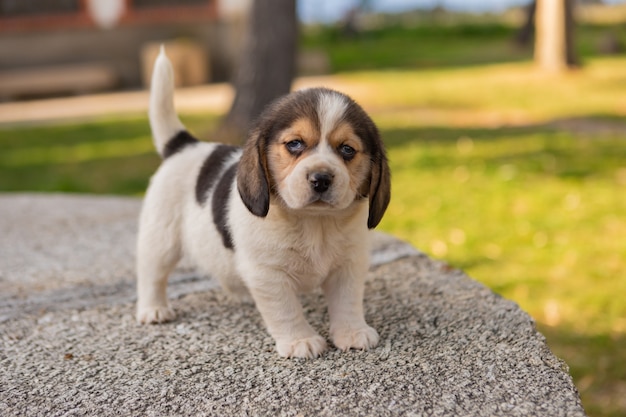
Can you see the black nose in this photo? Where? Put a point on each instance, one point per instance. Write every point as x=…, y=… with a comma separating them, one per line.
x=320, y=181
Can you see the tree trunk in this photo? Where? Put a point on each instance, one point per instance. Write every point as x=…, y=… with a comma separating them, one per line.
x=554, y=43
x=267, y=67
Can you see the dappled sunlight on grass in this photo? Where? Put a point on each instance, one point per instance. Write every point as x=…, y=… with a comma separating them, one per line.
x=530, y=229
x=496, y=94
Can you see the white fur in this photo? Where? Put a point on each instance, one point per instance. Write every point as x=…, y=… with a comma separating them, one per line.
x=164, y=121
x=275, y=257
x=330, y=109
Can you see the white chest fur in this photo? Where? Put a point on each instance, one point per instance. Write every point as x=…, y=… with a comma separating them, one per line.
x=304, y=249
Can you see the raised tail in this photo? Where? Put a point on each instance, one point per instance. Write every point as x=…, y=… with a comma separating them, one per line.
x=167, y=129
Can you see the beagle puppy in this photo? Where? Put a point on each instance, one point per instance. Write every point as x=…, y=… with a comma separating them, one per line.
x=288, y=213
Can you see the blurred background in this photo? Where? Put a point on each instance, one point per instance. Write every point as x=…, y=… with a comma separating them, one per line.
x=505, y=123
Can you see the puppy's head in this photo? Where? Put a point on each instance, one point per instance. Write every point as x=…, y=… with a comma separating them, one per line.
x=314, y=150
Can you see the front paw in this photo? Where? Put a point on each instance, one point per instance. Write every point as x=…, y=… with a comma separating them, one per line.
x=310, y=347
x=155, y=314
x=363, y=338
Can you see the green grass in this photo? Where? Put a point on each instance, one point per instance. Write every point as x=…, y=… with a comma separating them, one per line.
x=102, y=156
x=423, y=46
x=436, y=42
x=517, y=177
x=534, y=212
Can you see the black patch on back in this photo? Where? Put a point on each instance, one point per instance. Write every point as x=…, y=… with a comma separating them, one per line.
x=219, y=204
x=210, y=169
x=178, y=143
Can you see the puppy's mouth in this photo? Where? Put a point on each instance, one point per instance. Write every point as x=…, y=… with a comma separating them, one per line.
x=325, y=201
x=319, y=201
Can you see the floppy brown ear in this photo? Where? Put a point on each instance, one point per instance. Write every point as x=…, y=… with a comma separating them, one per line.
x=380, y=188
x=253, y=180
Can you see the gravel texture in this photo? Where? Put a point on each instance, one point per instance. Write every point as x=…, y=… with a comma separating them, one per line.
x=69, y=344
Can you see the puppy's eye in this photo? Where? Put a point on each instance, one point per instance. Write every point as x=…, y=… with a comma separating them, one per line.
x=295, y=146
x=347, y=152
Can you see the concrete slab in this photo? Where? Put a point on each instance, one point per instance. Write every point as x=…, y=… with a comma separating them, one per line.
x=69, y=344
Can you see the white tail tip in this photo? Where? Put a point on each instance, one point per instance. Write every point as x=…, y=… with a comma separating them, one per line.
x=164, y=121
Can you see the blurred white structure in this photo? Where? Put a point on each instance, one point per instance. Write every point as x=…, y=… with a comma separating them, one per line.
x=107, y=13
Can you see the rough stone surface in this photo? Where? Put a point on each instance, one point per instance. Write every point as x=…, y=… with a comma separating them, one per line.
x=69, y=344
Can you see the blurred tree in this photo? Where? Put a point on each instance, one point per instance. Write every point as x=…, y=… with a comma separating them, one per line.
x=267, y=65
x=554, y=43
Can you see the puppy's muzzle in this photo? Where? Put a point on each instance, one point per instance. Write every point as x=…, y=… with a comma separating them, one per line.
x=320, y=181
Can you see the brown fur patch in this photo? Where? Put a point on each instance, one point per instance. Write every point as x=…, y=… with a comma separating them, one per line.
x=304, y=129
x=358, y=166
x=344, y=134
x=280, y=160
x=253, y=177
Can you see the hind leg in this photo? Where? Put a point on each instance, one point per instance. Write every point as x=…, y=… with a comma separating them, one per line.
x=158, y=252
